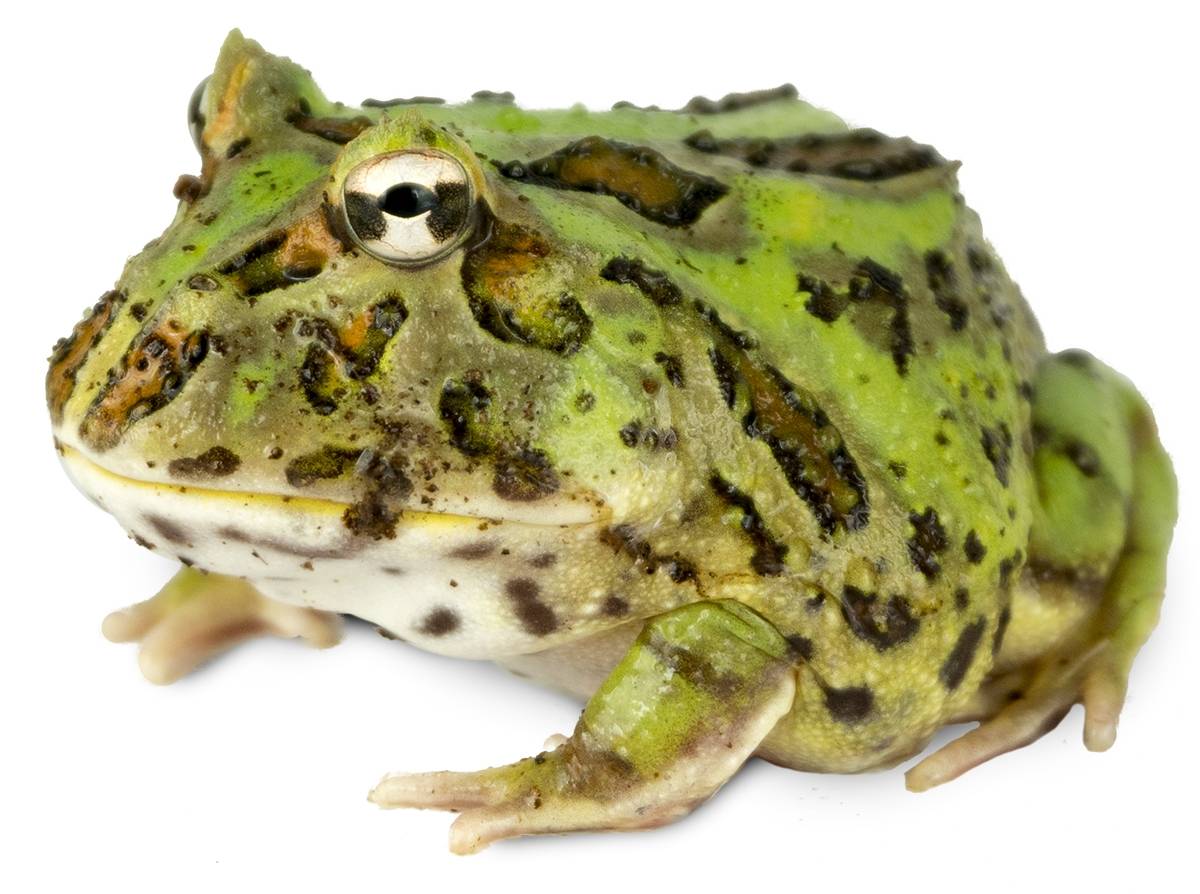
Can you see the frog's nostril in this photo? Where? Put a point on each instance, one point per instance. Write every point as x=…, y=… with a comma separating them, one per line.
x=301, y=272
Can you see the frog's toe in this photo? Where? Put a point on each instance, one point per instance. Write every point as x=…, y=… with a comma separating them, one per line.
x=1103, y=697
x=1025, y=718
x=196, y=616
x=440, y=791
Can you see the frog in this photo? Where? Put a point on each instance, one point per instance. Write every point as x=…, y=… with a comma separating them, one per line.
x=726, y=420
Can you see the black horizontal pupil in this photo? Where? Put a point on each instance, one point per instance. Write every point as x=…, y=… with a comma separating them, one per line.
x=407, y=200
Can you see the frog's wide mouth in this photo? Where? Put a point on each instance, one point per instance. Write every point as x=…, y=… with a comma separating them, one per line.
x=300, y=550
x=184, y=517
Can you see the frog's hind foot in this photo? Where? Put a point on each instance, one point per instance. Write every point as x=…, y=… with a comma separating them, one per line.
x=1019, y=709
x=1131, y=479
x=197, y=615
x=690, y=702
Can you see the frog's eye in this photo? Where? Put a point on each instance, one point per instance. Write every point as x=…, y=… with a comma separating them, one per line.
x=408, y=207
x=196, y=114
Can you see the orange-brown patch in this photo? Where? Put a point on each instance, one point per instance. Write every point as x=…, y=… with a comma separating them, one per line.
x=602, y=162
x=69, y=354
x=808, y=447
x=514, y=294
x=150, y=375
x=220, y=128
x=495, y=269
x=309, y=244
x=642, y=179
x=791, y=417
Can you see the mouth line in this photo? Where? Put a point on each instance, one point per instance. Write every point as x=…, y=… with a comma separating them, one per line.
x=313, y=506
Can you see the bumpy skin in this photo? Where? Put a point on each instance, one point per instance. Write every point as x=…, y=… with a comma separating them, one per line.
x=734, y=368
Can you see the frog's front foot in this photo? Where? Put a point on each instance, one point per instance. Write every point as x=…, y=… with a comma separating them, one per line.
x=197, y=615
x=692, y=699
x=568, y=789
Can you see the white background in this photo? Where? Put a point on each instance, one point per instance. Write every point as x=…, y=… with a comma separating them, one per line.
x=1078, y=128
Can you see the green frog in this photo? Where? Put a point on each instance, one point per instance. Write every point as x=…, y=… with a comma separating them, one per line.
x=726, y=420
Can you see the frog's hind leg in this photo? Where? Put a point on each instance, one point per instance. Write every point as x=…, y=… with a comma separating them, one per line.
x=196, y=615
x=691, y=700
x=1104, y=522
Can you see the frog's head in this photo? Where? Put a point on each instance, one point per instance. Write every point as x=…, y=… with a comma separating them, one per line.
x=355, y=306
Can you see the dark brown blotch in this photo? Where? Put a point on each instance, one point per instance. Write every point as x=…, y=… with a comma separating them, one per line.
x=862, y=155
x=535, y=616
x=874, y=282
x=387, y=486
x=652, y=283
x=216, y=462
x=823, y=302
x=884, y=625
x=672, y=367
x=372, y=517
x=726, y=376
x=1083, y=456
x=849, y=705
x=927, y=541
x=440, y=622
x=326, y=463
x=734, y=102
x=943, y=282
x=1002, y=623
x=1008, y=566
x=201, y=282
x=769, y=553
x=143, y=542
x=524, y=474
x=463, y=406
x=958, y=662
x=615, y=607
x=694, y=667
x=480, y=549
x=800, y=646
x=973, y=548
x=624, y=538
x=170, y=531
x=338, y=357
x=997, y=445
